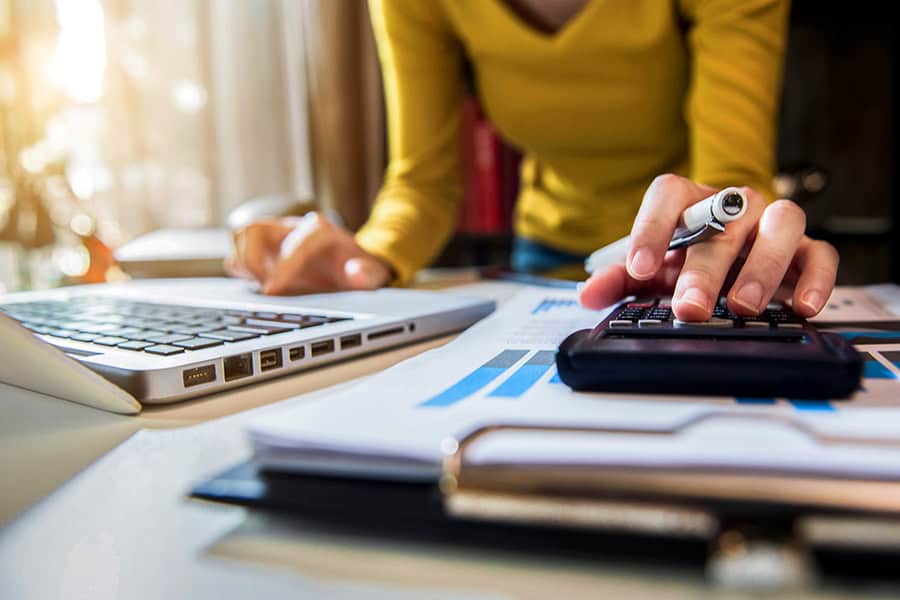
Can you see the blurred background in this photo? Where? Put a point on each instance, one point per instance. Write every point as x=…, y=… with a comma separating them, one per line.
x=122, y=117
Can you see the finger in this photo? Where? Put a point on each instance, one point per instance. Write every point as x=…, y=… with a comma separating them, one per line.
x=817, y=262
x=778, y=236
x=665, y=200
x=257, y=246
x=708, y=263
x=297, y=252
x=610, y=285
x=234, y=269
x=365, y=273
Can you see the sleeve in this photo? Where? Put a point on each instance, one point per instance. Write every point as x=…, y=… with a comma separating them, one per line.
x=732, y=106
x=416, y=208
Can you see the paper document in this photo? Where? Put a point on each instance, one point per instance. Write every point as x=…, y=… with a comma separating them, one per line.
x=501, y=371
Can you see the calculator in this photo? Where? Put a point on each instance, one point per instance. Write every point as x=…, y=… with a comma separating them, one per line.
x=642, y=348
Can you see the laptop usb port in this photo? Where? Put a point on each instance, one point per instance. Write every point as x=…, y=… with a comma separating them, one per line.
x=297, y=353
x=198, y=375
x=320, y=348
x=351, y=341
x=238, y=366
x=270, y=359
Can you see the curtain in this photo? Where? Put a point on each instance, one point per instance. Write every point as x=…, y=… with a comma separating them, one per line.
x=215, y=102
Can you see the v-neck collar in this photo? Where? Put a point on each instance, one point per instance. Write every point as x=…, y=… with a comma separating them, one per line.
x=553, y=37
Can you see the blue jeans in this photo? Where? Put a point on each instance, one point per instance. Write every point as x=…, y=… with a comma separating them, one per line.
x=534, y=257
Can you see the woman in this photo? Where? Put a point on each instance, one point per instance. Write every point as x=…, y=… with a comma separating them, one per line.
x=602, y=96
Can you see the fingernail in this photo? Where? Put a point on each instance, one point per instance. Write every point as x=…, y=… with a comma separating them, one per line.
x=642, y=264
x=696, y=297
x=814, y=299
x=750, y=296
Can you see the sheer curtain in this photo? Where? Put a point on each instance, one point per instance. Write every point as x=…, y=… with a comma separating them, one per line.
x=213, y=102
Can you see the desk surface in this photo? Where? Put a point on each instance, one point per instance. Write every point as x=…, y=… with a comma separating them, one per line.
x=106, y=515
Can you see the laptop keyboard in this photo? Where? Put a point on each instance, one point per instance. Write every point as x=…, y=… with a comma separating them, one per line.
x=161, y=329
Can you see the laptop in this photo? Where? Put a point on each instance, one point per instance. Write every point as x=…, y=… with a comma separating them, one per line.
x=165, y=340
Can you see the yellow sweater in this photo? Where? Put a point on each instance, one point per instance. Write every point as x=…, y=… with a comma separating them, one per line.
x=626, y=90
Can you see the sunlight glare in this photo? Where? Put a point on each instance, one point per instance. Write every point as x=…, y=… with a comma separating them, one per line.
x=79, y=60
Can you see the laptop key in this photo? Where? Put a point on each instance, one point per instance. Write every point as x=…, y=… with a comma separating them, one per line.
x=164, y=349
x=134, y=345
x=109, y=340
x=85, y=337
x=142, y=334
x=265, y=315
x=196, y=329
x=123, y=331
x=229, y=336
x=167, y=338
x=198, y=343
x=261, y=329
x=264, y=323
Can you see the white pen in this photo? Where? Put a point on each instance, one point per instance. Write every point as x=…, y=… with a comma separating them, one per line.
x=698, y=222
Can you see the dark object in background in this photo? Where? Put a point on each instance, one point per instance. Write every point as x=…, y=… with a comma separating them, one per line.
x=837, y=119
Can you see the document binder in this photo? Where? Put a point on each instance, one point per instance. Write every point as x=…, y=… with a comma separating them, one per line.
x=742, y=515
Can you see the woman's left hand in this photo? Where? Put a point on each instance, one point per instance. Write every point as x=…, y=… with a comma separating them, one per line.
x=762, y=255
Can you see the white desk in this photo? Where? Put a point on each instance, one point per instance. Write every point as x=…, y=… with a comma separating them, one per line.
x=117, y=522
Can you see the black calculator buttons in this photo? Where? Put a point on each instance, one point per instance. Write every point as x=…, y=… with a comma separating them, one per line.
x=650, y=323
x=714, y=322
x=620, y=323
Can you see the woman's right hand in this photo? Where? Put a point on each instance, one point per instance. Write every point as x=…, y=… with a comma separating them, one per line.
x=294, y=255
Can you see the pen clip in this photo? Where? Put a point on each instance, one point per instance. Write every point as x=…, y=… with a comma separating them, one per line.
x=709, y=229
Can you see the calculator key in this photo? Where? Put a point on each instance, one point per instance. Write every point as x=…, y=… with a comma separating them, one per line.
x=789, y=325
x=714, y=322
x=620, y=323
x=649, y=323
x=757, y=324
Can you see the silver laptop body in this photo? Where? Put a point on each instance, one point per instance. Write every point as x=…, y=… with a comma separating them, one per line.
x=169, y=339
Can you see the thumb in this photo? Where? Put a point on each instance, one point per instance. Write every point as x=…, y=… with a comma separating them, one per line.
x=366, y=273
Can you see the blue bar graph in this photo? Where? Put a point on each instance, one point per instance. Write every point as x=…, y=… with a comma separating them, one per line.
x=871, y=337
x=799, y=404
x=812, y=405
x=548, y=304
x=477, y=379
x=757, y=401
x=873, y=369
x=526, y=376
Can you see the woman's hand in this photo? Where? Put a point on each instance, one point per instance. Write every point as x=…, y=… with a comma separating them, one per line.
x=762, y=255
x=305, y=254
